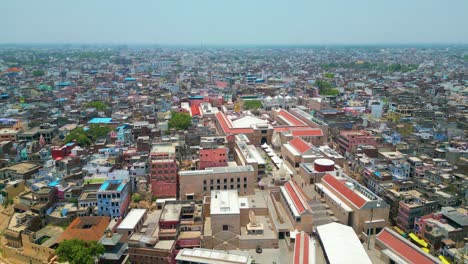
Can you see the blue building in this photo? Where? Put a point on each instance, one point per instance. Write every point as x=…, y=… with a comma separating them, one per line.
x=113, y=198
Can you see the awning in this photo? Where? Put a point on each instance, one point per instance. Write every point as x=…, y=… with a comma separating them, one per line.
x=418, y=240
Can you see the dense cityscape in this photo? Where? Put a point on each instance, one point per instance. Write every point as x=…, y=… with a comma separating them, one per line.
x=240, y=155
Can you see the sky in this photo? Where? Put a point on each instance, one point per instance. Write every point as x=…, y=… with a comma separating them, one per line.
x=234, y=22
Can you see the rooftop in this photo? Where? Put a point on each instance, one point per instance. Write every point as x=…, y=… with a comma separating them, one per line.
x=209, y=256
x=132, y=219
x=403, y=248
x=341, y=244
x=224, y=202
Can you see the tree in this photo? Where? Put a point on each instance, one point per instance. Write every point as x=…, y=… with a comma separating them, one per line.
x=329, y=75
x=180, y=121
x=99, y=105
x=38, y=73
x=136, y=197
x=252, y=104
x=86, y=138
x=77, y=251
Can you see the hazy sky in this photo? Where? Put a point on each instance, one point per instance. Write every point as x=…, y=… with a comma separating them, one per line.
x=234, y=21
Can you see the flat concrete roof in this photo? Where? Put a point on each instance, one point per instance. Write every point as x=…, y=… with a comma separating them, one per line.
x=132, y=219
x=224, y=202
x=209, y=256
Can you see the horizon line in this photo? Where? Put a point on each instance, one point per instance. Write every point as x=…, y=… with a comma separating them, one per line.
x=232, y=45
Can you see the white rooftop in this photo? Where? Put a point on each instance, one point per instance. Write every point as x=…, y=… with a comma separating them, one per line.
x=341, y=244
x=247, y=122
x=224, y=202
x=132, y=219
x=209, y=256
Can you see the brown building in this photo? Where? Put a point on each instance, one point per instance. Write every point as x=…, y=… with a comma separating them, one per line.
x=87, y=228
x=22, y=171
x=196, y=184
x=353, y=204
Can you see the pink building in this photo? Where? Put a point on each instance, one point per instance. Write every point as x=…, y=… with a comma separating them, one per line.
x=349, y=140
x=215, y=157
x=163, y=178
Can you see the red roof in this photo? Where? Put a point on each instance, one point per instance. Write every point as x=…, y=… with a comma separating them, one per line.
x=195, y=110
x=296, y=196
x=282, y=129
x=226, y=125
x=301, y=248
x=221, y=84
x=397, y=244
x=300, y=145
x=340, y=187
x=311, y=132
x=290, y=118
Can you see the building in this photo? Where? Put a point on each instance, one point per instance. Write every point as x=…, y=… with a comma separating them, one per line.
x=349, y=140
x=46, y=131
x=20, y=171
x=447, y=224
x=233, y=222
x=196, y=184
x=209, y=256
x=163, y=171
x=213, y=157
x=396, y=249
x=298, y=151
x=257, y=130
x=304, y=249
x=132, y=222
x=341, y=245
x=87, y=228
x=26, y=244
x=8, y=134
x=353, y=204
x=412, y=206
x=297, y=209
x=113, y=198
x=245, y=154
x=164, y=232
x=312, y=173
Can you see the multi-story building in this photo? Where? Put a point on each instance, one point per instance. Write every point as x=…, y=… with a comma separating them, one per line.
x=164, y=232
x=196, y=184
x=448, y=223
x=213, y=157
x=296, y=207
x=46, y=131
x=18, y=171
x=298, y=151
x=353, y=204
x=349, y=140
x=412, y=206
x=233, y=222
x=245, y=154
x=113, y=198
x=8, y=134
x=163, y=171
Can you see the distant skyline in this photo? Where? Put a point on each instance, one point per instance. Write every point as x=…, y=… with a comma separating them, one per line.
x=234, y=22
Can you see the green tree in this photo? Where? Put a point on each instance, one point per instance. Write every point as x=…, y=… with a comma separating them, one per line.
x=99, y=105
x=252, y=104
x=86, y=138
x=136, y=197
x=329, y=75
x=38, y=73
x=180, y=121
x=77, y=251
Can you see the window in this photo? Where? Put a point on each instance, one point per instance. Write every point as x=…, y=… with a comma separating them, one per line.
x=225, y=228
x=225, y=180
